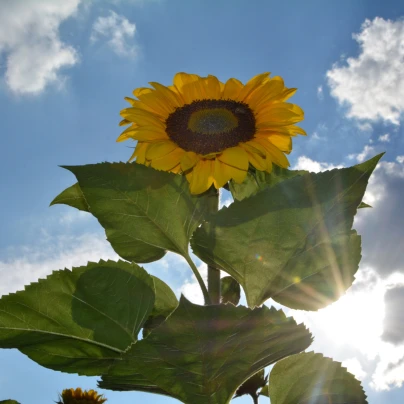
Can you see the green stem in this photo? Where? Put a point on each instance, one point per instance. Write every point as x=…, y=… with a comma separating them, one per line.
x=255, y=398
x=214, y=284
x=213, y=272
x=200, y=280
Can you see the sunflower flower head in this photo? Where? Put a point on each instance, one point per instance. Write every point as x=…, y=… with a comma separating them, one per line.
x=78, y=396
x=211, y=131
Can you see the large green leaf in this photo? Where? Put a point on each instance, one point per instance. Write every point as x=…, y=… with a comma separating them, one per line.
x=132, y=382
x=128, y=249
x=140, y=206
x=201, y=354
x=292, y=242
x=166, y=302
x=72, y=196
x=309, y=378
x=9, y=402
x=78, y=321
x=259, y=180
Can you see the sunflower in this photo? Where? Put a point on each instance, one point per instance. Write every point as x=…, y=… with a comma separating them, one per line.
x=212, y=131
x=71, y=396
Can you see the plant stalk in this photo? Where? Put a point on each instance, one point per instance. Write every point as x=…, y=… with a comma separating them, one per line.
x=255, y=398
x=213, y=272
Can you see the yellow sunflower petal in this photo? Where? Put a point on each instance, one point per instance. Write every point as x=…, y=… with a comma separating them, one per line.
x=202, y=177
x=235, y=157
x=169, y=161
x=297, y=130
x=234, y=173
x=280, y=114
x=282, y=142
x=138, y=104
x=221, y=85
x=256, y=159
x=140, y=153
x=212, y=87
x=288, y=93
x=126, y=134
x=251, y=85
x=185, y=85
x=270, y=91
x=195, y=90
x=273, y=153
x=232, y=89
x=124, y=122
x=157, y=102
x=142, y=117
x=181, y=79
x=189, y=176
x=176, y=169
x=188, y=161
x=130, y=100
x=255, y=147
x=132, y=113
x=148, y=134
x=269, y=166
x=220, y=174
x=142, y=91
x=170, y=96
x=157, y=150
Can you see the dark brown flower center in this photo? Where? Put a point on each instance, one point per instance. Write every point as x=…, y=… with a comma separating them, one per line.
x=210, y=126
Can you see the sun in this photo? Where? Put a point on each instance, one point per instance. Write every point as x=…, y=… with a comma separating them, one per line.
x=355, y=320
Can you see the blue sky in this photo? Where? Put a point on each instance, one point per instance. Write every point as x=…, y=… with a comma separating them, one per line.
x=64, y=70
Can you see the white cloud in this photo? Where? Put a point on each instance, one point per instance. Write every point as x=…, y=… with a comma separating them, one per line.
x=29, y=263
x=29, y=37
x=306, y=163
x=73, y=216
x=191, y=289
x=320, y=93
x=118, y=31
x=354, y=366
x=400, y=159
x=361, y=157
x=355, y=324
x=389, y=372
x=315, y=136
x=384, y=138
x=372, y=85
x=365, y=126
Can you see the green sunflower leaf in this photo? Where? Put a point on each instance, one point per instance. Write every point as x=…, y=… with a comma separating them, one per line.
x=312, y=378
x=202, y=354
x=9, y=402
x=166, y=302
x=230, y=290
x=139, y=206
x=259, y=180
x=363, y=205
x=292, y=242
x=73, y=197
x=132, y=382
x=78, y=321
x=128, y=249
